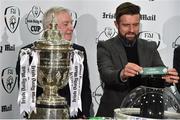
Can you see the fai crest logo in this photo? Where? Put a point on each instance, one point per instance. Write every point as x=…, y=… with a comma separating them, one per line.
x=106, y=34
x=34, y=20
x=153, y=36
x=8, y=78
x=97, y=94
x=12, y=18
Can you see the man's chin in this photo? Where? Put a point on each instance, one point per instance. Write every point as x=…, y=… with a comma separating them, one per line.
x=68, y=38
x=130, y=38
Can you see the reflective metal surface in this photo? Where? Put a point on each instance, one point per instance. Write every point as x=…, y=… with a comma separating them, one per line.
x=134, y=114
x=149, y=103
x=53, y=71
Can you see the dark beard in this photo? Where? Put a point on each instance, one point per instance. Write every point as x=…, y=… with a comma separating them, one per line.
x=126, y=39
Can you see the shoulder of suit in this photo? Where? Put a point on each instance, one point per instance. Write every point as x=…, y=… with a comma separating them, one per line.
x=28, y=46
x=147, y=43
x=177, y=49
x=107, y=42
x=78, y=47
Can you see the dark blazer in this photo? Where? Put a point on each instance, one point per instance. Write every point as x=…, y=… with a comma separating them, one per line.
x=111, y=59
x=176, y=63
x=65, y=92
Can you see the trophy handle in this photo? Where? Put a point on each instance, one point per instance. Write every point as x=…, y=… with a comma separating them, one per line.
x=39, y=78
x=64, y=80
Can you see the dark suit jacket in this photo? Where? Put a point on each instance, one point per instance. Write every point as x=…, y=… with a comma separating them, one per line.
x=65, y=92
x=176, y=63
x=111, y=59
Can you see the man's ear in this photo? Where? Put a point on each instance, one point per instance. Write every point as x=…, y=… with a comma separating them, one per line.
x=116, y=24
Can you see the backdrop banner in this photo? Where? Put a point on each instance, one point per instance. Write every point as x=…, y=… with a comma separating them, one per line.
x=93, y=20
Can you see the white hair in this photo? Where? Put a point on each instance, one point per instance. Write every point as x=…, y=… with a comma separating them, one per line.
x=49, y=13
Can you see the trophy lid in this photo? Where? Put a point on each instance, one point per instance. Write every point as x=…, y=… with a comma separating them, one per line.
x=52, y=38
x=52, y=34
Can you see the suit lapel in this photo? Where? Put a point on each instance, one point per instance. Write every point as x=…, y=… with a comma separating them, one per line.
x=120, y=51
x=122, y=54
x=141, y=52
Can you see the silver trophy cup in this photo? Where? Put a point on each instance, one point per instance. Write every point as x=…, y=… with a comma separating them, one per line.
x=53, y=73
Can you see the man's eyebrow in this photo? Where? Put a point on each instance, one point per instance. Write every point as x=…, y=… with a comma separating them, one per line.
x=66, y=21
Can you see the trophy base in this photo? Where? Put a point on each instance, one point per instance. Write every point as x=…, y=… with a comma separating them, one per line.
x=50, y=112
x=51, y=108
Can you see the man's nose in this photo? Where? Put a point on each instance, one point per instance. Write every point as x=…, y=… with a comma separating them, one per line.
x=71, y=27
x=131, y=28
